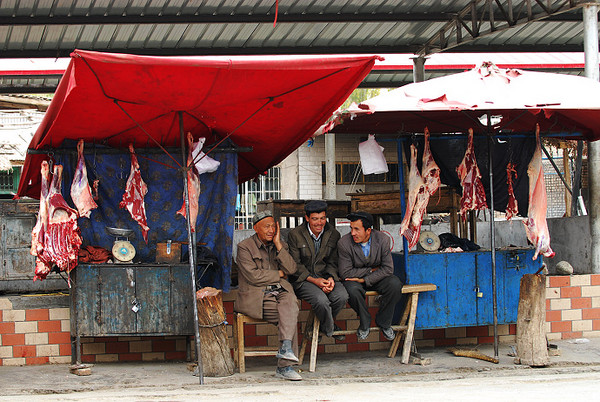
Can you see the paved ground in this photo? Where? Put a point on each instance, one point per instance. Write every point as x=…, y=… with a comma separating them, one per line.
x=352, y=376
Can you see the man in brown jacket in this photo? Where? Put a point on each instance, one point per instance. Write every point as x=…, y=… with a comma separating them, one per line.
x=264, y=292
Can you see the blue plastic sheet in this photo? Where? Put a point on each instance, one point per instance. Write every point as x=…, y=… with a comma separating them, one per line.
x=214, y=226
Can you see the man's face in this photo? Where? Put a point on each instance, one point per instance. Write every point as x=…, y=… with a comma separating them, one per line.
x=317, y=221
x=358, y=232
x=265, y=229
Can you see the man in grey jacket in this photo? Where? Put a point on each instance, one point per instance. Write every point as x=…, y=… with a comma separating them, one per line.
x=313, y=245
x=365, y=263
x=264, y=292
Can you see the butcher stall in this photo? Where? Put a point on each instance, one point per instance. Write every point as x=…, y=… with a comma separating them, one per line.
x=136, y=165
x=478, y=133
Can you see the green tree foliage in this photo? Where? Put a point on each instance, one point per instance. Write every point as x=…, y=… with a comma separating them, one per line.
x=359, y=95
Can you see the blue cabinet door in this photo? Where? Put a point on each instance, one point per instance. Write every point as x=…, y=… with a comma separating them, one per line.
x=461, y=282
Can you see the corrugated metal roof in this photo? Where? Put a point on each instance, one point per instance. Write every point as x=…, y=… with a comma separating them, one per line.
x=53, y=28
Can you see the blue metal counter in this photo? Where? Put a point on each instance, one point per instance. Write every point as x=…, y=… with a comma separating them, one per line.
x=464, y=281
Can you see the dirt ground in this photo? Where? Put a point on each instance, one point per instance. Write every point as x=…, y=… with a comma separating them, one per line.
x=350, y=376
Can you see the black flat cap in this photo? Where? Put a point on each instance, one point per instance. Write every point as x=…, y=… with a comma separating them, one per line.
x=315, y=206
x=260, y=216
x=354, y=216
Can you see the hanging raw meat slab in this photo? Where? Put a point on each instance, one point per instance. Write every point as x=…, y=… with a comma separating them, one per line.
x=61, y=239
x=430, y=170
x=135, y=191
x=37, y=234
x=512, y=208
x=473, y=193
x=81, y=194
x=418, y=197
x=193, y=183
x=536, y=226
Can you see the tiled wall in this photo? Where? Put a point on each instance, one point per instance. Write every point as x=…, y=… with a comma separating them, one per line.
x=40, y=335
x=573, y=306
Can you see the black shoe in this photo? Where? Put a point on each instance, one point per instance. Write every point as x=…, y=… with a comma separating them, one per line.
x=340, y=337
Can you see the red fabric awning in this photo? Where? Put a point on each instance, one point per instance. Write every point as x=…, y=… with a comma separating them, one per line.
x=272, y=104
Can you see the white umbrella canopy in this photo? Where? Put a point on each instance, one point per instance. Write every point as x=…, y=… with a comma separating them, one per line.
x=560, y=103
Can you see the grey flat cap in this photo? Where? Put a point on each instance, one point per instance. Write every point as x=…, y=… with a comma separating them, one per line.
x=315, y=206
x=260, y=216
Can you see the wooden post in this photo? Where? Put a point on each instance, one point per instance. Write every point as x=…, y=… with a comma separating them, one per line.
x=531, y=333
x=216, y=354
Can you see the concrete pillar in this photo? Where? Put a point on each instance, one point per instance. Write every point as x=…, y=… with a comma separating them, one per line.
x=330, y=186
x=590, y=46
x=419, y=68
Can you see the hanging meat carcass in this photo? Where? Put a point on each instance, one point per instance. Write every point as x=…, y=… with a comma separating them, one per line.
x=536, y=226
x=193, y=185
x=81, y=194
x=418, y=197
x=473, y=193
x=133, y=198
x=512, y=208
x=430, y=170
x=37, y=234
x=61, y=239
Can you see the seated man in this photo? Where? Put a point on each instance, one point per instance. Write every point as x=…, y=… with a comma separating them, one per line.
x=365, y=263
x=313, y=245
x=264, y=292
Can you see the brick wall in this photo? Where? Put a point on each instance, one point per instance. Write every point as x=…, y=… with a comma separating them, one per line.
x=30, y=334
x=573, y=306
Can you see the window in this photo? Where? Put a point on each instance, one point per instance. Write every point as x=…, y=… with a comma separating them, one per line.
x=264, y=187
x=345, y=173
x=9, y=181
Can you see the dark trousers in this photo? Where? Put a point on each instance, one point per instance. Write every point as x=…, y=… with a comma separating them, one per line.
x=390, y=290
x=325, y=305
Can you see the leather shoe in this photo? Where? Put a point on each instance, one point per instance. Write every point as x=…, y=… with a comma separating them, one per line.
x=285, y=351
x=362, y=334
x=388, y=333
x=287, y=373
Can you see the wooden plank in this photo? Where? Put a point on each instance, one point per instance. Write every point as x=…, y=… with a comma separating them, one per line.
x=422, y=287
x=388, y=202
x=408, y=339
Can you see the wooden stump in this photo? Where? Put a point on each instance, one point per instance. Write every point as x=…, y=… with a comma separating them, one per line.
x=216, y=354
x=531, y=332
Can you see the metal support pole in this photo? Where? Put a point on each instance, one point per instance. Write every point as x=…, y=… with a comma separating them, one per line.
x=402, y=198
x=191, y=250
x=590, y=46
x=330, y=182
x=419, y=68
x=577, y=178
x=551, y=160
x=492, y=231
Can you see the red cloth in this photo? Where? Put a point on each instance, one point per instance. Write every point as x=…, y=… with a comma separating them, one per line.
x=94, y=254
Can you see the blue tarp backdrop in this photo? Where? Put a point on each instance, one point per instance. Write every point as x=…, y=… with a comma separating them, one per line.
x=164, y=198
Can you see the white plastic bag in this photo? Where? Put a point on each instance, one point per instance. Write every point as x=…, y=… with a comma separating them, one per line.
x=206, y=164
x=371, y=157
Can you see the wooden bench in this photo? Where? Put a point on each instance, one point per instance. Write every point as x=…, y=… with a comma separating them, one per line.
x=406, y=326
x=240, y=351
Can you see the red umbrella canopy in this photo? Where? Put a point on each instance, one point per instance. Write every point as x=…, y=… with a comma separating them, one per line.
x=272, y=104
x=559, y=103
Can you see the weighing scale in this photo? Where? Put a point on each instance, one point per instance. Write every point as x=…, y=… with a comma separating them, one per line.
x=122, y=249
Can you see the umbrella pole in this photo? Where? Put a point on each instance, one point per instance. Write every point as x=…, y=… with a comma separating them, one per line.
x=191, y=251
x=492, y=232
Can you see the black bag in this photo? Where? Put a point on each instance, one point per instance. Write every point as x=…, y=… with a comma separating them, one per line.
x=450, y=240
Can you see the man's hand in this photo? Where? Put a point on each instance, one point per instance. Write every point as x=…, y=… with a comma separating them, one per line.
x=359, y=280
x=277, y=237
x=374, y=269
x=320, y=282
x=330, y=285
x=282, y=274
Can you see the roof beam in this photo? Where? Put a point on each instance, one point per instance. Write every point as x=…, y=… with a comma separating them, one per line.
x=486, y=17
x=249, y=18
